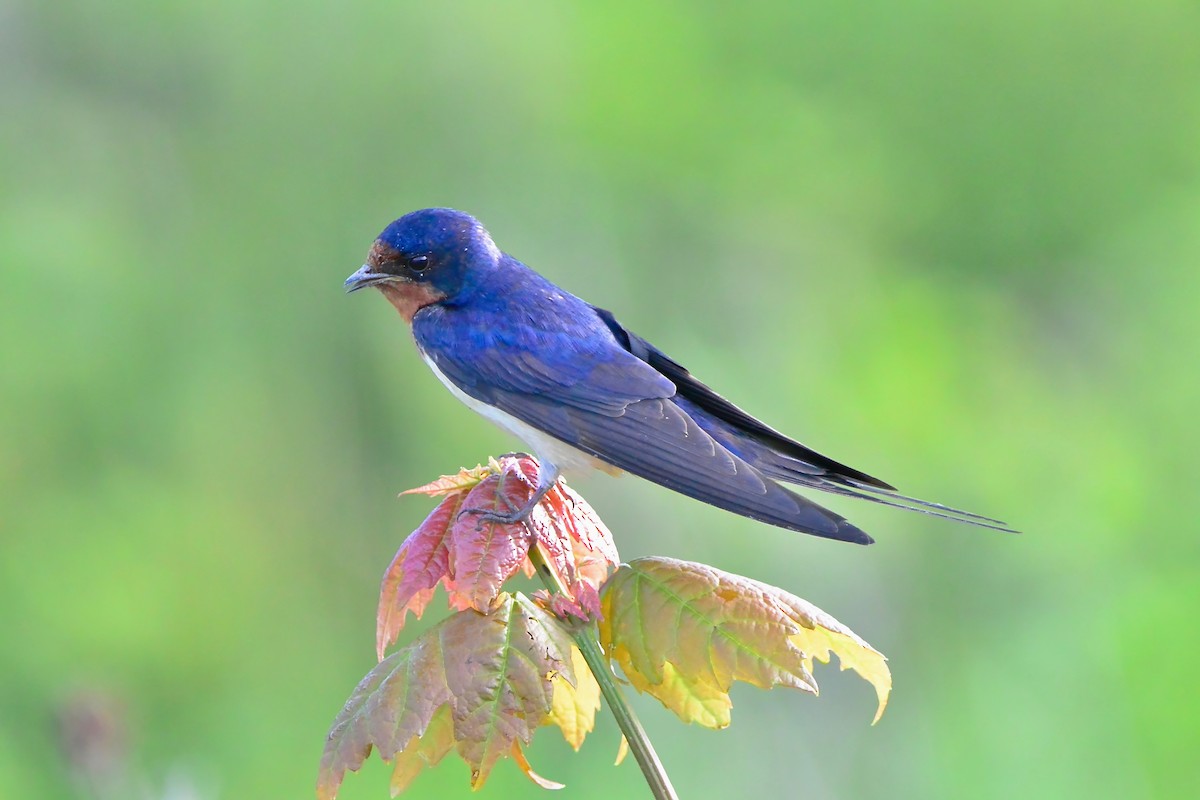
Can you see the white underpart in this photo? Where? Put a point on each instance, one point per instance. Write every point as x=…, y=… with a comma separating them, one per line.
x=551, y=452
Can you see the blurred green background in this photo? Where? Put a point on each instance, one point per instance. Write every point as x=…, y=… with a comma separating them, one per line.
x=955, y=245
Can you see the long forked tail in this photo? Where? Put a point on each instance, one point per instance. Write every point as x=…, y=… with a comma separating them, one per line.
x=850, y=487
x=800, y=473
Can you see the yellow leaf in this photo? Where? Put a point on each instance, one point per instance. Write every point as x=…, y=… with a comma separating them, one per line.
x=693, y=700
x=524, y=765
x=852, y=652
x=622, y=751
x=574, y=705
x=683, y=632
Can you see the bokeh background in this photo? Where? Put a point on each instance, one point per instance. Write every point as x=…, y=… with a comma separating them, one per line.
x=955, y=245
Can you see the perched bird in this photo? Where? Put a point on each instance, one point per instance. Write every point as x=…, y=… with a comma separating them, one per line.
x=583, y=391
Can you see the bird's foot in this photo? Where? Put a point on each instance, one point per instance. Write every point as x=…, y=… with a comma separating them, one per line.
x=513, y=516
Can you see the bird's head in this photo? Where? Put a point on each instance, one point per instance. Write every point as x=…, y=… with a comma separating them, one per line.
x=425, y=257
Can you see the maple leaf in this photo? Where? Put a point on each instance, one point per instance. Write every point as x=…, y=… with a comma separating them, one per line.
x=575, y=702
x=683, y=632
x=581, y=567
x=424, y=750
x=483, y=553
x=472, y=556
x=479, y=684
x=420, y=564
x=449, y=484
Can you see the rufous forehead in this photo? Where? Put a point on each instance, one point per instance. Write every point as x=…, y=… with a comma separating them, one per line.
x=380, y=254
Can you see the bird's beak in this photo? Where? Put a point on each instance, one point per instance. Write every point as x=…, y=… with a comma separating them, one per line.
x=365, y=277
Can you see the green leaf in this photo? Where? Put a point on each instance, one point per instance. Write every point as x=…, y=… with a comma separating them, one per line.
x=476, y=683
x=683, y=632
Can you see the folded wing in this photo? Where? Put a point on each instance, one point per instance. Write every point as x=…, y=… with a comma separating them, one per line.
x=600, y=398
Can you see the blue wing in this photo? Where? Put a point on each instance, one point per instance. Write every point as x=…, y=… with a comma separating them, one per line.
x=561, y=369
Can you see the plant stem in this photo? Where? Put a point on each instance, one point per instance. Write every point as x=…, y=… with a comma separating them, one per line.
x=586, y=640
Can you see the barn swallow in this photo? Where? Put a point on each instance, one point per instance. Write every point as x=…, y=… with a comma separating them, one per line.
x=585, y=392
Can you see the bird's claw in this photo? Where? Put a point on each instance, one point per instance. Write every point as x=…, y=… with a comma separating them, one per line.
x=491, y=515
x=513, y=516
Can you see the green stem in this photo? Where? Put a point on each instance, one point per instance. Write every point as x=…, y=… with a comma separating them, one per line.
x=587, y=641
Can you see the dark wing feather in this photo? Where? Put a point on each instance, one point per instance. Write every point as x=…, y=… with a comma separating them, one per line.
x=655, y=439
x=768, y=450
x=704, y=398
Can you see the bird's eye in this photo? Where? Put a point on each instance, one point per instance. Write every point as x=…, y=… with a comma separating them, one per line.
x=418, y=263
